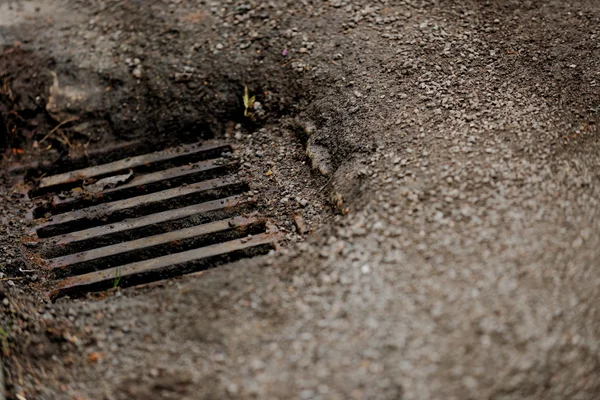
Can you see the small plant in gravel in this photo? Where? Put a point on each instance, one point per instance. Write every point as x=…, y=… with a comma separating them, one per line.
x=117, y=280
x=248, y=101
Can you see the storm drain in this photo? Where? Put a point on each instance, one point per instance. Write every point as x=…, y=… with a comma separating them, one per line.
x=146, y=218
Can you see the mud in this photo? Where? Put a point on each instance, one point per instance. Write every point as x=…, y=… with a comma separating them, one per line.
x=445, y=156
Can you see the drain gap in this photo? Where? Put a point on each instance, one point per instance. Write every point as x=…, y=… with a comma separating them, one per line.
x=101, y=155
x=142, y=184
x=143, y=163
x=166, y=267
x=150, y=225
x=155, y=246
x=141, y=205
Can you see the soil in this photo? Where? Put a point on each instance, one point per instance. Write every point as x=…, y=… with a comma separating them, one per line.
x=444, y=155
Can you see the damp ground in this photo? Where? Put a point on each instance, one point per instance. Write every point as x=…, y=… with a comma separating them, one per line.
x=444, y=157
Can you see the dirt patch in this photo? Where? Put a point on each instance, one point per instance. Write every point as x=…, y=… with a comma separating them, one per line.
x=457, y=142
x=22, y=97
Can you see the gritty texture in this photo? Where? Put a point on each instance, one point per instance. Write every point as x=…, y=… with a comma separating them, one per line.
x=459, y=143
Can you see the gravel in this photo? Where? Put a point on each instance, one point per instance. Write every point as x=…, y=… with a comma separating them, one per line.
x=453, y=187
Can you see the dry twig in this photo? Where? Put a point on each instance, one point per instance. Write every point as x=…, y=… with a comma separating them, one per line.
x=56, y=128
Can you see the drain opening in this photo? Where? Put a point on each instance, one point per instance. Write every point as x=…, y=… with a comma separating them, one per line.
x=143, y=184
x=143, y=163
x=176, y=211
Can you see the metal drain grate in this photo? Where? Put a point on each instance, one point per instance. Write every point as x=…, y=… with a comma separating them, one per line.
x=147, y=218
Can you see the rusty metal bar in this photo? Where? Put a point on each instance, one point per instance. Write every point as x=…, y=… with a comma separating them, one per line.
x=129, y=163
x=148, y=220
x=101, y=213
x=160, y=263
x=151, y=241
